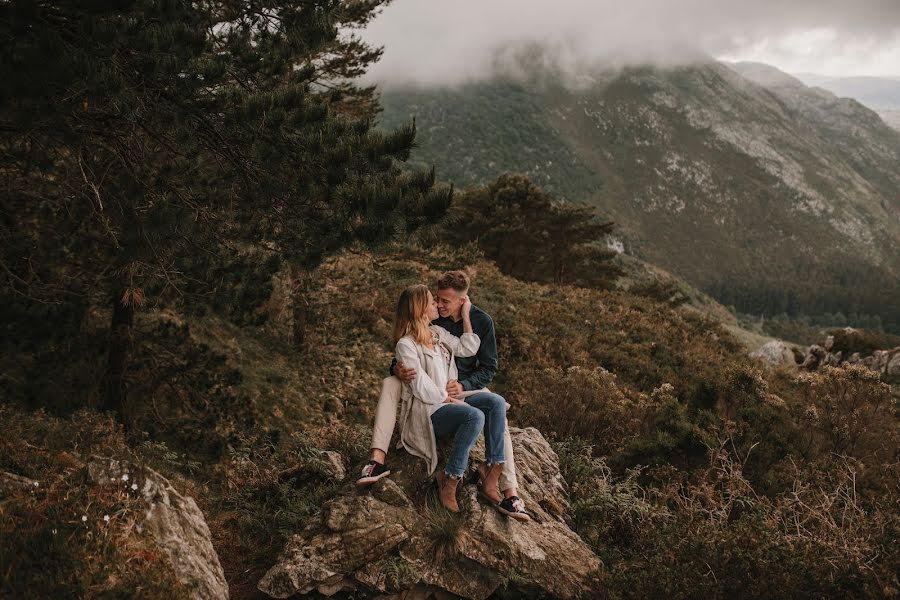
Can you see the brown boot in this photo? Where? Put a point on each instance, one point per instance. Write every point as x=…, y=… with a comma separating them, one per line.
x=447, y=491
x=489, y=482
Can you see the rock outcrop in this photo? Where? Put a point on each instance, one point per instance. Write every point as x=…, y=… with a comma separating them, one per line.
x=176, y=524
x=776, y=353
x=884, y=362
x=393, y=538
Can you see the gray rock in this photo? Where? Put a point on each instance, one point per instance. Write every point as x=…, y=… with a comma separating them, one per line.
x=775, y=353
x=829, y=343
x=176, y=524
x=832, y=360
x=333, y=465
x=328, y=466
x=469, y=555
x=892, y=370
x=814, y=357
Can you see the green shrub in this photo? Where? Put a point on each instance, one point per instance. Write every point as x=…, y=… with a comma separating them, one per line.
x=669, y=435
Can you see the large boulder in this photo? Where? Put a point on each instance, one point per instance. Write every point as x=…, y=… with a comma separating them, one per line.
x=176, y=524
x=892, y=368
x=394, y=538
x=814, y=357
x=775, y=353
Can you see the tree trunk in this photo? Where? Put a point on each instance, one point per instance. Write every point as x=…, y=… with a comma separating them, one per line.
x=299, y=306
x=117, y=360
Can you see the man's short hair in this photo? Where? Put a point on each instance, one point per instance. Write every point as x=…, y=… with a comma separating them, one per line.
x=456, y=280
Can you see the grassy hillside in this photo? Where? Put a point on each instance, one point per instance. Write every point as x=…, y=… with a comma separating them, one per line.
x=682, y=458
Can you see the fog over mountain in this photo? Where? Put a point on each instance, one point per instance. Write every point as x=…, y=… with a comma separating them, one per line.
x=451, y=42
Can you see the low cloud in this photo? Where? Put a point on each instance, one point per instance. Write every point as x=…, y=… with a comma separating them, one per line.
x=452, y=41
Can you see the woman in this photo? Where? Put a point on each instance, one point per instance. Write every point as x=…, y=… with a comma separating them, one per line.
x=427, y=409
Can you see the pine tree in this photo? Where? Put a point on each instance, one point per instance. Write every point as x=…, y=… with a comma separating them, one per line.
x=531, y=236
x=139, y=135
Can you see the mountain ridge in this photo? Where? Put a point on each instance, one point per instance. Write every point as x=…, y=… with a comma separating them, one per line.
x=745, y=190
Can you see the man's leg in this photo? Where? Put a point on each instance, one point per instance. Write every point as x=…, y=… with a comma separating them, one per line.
x=509, y=484
x=465, y=423
x=495, y=437
x=494, y=408
x=511, y=505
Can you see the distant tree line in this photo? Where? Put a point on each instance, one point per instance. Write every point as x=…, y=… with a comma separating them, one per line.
x=839, y=295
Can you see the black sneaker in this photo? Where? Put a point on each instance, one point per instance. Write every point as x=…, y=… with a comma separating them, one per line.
x=372, y=472
x=513, y=507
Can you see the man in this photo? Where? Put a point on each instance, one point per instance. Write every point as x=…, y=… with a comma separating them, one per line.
x=475, y=373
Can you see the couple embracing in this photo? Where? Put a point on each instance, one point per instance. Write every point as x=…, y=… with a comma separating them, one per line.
x=446, y=354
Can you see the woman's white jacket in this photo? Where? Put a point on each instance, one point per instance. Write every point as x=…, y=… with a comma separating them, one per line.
x=420, y=395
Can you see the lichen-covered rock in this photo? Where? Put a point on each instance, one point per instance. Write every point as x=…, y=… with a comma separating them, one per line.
x=892, y=366
x=327, y=466
x=333, y=465
x=393, y=537
x=176, y=524
x=884, y=362
x=814, y=357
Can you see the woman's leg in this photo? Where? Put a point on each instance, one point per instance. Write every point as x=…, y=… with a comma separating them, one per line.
x=494, y=408
x=465, y=423
x=382, y=430
x=385, y=417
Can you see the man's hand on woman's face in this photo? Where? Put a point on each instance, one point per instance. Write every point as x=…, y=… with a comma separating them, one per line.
x=403, y=374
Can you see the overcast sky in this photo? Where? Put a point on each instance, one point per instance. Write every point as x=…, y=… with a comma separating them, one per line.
x=448, y=41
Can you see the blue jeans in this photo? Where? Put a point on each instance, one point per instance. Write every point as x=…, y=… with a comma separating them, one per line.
x=494, y=408
x=465, y=423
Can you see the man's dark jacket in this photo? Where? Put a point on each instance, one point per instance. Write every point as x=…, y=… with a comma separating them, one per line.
x=475, y=372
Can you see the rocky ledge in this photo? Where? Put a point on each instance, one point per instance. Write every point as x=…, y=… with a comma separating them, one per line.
x=393, y=539
x=177, y=526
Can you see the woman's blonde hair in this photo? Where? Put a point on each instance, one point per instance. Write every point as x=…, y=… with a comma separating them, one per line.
x=412, y=314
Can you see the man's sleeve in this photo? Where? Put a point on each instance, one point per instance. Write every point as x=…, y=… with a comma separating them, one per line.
x=393, y=364
x=487, y=357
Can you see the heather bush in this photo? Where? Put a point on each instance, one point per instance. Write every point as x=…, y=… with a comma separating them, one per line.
x=707, y=533
x=848, y=410
x=577, y=402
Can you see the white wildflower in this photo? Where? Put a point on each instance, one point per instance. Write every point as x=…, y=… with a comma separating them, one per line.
x=106, y=518
x=54, y=531
x=125, y=477
x=134, y=486
x=84, y=518
x=36, y=484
